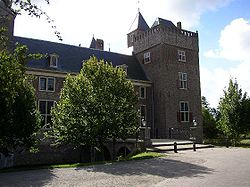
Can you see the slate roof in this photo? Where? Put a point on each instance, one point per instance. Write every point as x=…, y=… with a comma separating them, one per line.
x=71, y=57
x=142, y=24
x=139, y=23
x=93, y=43
x=160, y=21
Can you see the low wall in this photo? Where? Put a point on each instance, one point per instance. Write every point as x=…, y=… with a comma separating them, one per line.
x=49, y=154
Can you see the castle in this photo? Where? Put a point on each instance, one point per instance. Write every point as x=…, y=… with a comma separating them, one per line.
x=164, y=69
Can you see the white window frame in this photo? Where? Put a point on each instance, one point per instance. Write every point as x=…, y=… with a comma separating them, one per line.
x=181, y=56
x=147, y=57
x=183, y=80
x=53, y=56
x=46, y=125
x=47, y=84
x=184, y=113
x=140, y=92
x=144, y=117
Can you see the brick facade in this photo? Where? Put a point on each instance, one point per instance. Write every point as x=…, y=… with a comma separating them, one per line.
x=163, y=70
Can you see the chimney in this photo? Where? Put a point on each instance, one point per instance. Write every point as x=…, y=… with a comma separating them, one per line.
x=179, y=25
x=99, y=44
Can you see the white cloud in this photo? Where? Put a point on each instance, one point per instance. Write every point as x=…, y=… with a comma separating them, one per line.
x=186, y=11
x=110, y=20
x=213, y=82
x=234, y=42
x=234, y=45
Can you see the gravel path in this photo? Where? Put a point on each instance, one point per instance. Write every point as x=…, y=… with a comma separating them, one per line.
x=207, y=167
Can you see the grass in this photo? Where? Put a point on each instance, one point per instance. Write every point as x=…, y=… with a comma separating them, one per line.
x=222, y=142
x=145, y=155
x=245, y=141
x=139, y=156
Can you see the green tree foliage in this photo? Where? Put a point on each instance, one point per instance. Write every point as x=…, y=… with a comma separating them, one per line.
x=245, y=116
x=209, y=121
x=19, y=119
x=232, y=106
x=97, y=105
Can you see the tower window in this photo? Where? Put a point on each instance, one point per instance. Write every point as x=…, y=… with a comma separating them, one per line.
x=147, y=58
x=181, y=56
x=182, y=80
x=132, y=37
x=53, y=60
x=184, y=111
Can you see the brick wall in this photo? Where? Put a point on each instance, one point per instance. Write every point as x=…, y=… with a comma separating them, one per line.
x=163, y=46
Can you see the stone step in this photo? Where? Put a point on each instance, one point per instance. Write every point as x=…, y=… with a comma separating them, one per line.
x=179, y=147
x=162, y=144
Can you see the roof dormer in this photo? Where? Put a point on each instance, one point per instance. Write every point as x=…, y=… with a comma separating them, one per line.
x=124, y=67
x=53, y=60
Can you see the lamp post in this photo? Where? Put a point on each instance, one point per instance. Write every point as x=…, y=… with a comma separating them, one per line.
x=145, y=130
x=192, y=131
x=143, y=122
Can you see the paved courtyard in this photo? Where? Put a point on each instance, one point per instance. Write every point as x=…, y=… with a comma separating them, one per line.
x=207, y=167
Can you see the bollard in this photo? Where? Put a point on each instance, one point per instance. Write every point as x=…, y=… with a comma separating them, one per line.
x=175, y=147
x=194, y=146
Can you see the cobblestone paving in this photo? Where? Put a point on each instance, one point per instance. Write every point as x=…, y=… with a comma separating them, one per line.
x=207, y=167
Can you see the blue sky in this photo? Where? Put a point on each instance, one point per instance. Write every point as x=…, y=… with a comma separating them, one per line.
x=223, y=26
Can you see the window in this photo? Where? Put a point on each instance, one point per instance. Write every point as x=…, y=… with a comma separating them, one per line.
x=182, y=80
x=53, y=60
x=147, y=58
x=132, y=37
x=47, y=84
x=143, y=113
x=124, y=67
x=181, y=56
x=45, y=110
x=142, y=92
x=184, y=111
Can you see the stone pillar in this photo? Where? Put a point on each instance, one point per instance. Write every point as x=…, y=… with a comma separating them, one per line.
x=145, y=136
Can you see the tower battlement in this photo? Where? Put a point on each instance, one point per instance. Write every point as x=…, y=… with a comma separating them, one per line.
x=161, y=34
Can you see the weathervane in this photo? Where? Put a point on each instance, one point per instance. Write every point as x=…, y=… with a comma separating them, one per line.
x=138, y=4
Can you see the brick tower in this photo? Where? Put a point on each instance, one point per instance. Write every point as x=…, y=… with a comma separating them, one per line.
x=170, y=57
x=7, y=17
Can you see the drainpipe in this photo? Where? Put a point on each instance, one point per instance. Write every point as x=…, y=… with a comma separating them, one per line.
x=153, y=111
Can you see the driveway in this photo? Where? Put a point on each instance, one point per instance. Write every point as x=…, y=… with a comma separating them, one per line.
x=207, y=167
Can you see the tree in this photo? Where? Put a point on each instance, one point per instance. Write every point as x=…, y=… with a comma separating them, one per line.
x=231, y=107
x=97, y=105
x=244, y=116
x=33, y=10
x=19, y=118
x=209, y=121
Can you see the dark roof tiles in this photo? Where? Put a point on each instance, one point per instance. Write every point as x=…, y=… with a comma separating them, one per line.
x=166, y=23
x=142, y=24
x=71, y=57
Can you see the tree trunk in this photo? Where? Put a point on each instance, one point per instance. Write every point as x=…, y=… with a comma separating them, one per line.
x=92, y=153
x=113, y=148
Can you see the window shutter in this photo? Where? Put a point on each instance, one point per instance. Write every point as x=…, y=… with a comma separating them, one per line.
x=190, y=116
x=178, y=117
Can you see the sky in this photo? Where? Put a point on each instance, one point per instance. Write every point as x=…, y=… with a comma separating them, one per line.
x=223, y=27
